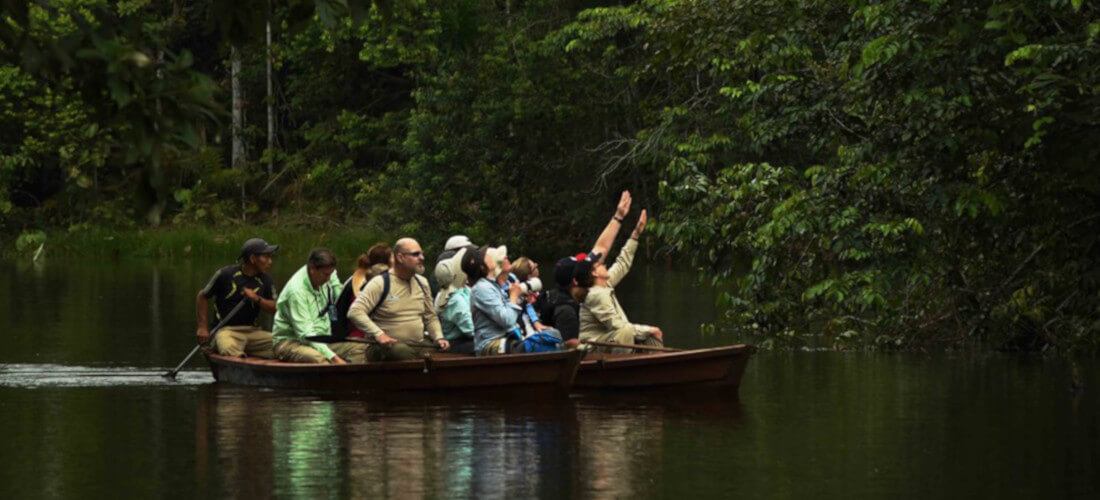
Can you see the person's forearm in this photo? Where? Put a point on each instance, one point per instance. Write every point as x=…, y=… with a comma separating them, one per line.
x=201, y=305
x=323, y=349
x=434, y=328
x=359, y=316
x=607, y=237
x=267, y=305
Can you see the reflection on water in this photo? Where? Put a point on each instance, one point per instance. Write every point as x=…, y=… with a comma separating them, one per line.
x=806, y=425
x=432, y=445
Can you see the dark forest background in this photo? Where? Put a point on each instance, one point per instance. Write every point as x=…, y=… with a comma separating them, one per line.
x=898, y=173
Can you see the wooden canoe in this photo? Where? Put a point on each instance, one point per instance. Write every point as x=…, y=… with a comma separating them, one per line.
x=717, y=366
x=554, y=371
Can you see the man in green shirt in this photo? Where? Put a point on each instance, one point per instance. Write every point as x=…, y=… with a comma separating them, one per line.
x=302, y=311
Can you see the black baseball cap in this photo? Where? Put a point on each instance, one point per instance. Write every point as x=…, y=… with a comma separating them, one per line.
x=580, y=265
x=257, y=246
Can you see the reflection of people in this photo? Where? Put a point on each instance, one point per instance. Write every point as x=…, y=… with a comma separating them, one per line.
x=618, y=449
x=234, y=440
x=398, y=317
x=602, y=317
x=249, y=282
x=303, y=311
x=259, y=445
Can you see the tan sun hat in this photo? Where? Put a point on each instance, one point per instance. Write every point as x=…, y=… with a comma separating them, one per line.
x=450, y=277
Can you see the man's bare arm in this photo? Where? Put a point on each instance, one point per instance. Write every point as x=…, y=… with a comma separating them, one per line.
x=201, y=306
x=607, y=237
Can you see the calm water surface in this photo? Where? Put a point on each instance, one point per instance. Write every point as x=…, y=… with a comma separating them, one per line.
x=87, y=414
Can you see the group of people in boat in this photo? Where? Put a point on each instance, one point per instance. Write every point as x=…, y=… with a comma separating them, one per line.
x=486, y=304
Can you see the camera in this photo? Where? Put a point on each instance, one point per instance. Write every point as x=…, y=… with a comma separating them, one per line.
x=531, y=285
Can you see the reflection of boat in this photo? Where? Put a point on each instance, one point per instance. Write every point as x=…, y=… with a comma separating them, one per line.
x=553, y=370
x=717, y=366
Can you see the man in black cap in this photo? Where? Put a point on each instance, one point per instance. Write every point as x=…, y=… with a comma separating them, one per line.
x=556, y=307
x=249, y=282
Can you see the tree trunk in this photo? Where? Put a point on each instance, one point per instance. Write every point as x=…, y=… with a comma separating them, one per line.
x=238, y=157
x=270, y=103
x=156, y=178
x=238, y=154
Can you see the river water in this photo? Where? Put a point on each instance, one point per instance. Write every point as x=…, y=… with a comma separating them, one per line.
x=86, y=414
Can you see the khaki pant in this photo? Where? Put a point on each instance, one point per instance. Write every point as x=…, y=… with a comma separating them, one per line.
x=243, y=340
x=294, y=352
x=492, y=348
x=512, y=345
x=627, y=335
x=395, y=352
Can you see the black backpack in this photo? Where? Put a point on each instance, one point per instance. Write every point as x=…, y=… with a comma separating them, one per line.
x=340, y=327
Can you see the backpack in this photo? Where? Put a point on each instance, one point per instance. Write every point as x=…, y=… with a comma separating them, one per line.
x=544, y=341
x=340, y=326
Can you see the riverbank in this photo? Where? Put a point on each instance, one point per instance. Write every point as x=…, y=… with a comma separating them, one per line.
x=188, y=242
x=295, y=238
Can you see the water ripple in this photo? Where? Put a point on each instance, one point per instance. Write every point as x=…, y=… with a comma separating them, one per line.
x=52, y=375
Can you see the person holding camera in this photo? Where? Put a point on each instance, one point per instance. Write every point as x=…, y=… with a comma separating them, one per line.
x=526, y=272
x=497, y=307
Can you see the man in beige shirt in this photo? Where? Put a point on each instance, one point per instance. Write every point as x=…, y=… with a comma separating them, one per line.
x=602, y=318
x=398, y=321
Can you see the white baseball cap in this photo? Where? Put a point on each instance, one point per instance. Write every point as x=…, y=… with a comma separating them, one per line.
x=457, y=241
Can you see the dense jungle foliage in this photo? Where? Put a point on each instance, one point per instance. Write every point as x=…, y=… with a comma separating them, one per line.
x=898, y=173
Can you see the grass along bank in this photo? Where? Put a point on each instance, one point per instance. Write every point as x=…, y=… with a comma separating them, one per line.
x=189, y=241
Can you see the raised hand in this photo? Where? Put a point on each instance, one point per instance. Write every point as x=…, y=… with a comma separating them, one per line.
x=624, y=205
x=640, y=227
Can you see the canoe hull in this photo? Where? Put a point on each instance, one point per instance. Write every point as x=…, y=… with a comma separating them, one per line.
x=554, y=371
x=717, y=367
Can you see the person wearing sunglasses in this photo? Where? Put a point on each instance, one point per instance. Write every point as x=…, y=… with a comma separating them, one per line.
x=396, y=308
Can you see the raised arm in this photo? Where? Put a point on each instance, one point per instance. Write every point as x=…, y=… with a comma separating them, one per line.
x=607, y=237
x=626, y=256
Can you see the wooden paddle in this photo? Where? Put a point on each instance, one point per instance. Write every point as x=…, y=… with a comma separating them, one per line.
x=634, y=346
x=232, y=312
